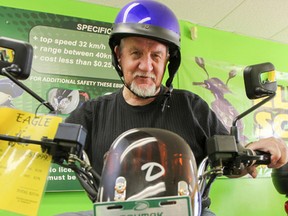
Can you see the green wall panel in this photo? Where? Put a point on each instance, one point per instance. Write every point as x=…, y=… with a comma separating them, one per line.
x=222, y=52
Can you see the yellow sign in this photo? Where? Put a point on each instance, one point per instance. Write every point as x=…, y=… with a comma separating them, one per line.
x=24, y=167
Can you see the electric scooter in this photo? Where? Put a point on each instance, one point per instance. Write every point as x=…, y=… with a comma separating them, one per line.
x=127, y=184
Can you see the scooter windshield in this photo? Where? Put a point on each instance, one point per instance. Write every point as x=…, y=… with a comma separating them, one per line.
x=149, y=162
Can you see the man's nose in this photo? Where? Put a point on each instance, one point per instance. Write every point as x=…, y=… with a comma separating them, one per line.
x=146, y=64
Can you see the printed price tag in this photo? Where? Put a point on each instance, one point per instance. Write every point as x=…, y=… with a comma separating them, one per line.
x=24, y=167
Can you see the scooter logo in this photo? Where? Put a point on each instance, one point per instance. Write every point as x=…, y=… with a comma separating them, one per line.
x=150, y=167
x=141, y=205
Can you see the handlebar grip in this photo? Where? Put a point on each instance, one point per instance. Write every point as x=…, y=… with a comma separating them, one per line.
x=263, y=158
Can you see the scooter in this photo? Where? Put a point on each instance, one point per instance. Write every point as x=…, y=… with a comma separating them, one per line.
x=148, y=171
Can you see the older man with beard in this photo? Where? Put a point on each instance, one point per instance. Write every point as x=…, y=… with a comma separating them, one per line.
x=145, y=41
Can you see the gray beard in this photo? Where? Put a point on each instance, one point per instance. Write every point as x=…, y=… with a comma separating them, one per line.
x=143, y=92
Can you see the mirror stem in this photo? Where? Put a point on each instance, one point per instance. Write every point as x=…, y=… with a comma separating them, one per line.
x=33, y=94
x=234, y=130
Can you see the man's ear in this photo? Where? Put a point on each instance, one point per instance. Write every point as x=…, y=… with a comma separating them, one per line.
x=117, y=52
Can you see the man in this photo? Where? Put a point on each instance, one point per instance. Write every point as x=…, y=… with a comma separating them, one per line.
x=145, y=39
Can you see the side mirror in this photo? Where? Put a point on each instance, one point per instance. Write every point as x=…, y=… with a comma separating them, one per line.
x=15, y=63
x=260, y=80
x=15, y=57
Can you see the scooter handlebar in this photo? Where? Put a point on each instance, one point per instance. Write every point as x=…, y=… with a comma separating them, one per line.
x=263, y=158
x=224, y=152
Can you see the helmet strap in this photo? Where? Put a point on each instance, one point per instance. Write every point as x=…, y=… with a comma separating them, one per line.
x=174, y=63
x=167, y=95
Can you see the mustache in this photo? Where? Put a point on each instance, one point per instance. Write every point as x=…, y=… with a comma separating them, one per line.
x=145, y=75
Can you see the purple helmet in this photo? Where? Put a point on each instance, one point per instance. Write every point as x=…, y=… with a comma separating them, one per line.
x=150, y=19
x=149, y=162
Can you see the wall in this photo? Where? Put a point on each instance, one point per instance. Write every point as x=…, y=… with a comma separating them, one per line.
x=222, y=52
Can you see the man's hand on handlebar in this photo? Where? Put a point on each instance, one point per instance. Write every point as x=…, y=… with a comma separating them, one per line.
x=274, y=146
